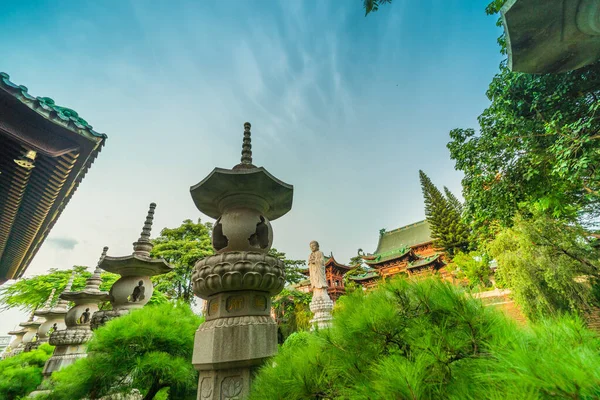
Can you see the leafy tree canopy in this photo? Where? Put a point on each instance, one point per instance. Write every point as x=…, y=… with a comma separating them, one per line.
x=21, y=374
x=30, y=293
x=159, y=342
x=292, y=313
x=373, y=5
x=427, y=340
x=538, y=143
x=293, y=268
x=182, y=247
x=474, y=267
x=550, y=266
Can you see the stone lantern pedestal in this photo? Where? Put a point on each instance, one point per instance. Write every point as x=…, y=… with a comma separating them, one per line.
x=239, y=280
x=321, y=307
x=134, y=289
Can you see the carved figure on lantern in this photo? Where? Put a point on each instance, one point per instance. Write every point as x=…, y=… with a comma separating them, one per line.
x=85, y=317
x=138, y=292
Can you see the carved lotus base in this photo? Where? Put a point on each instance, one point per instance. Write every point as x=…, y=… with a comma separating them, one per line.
x=238, y=270
x=101, y=317
x=321, y=306
x=32, y=346
x=71, y=336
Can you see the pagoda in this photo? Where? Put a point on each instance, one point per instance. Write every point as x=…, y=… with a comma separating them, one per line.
x=239, y=333
x=70, y=342
x=54, y=317
x=407, y=251
x=45, y=152
x=334, y=271
x=134, y=288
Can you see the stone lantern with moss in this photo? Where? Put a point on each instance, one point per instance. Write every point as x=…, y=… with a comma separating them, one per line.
x=70, y=342
x=239, y=280
x=134, y=288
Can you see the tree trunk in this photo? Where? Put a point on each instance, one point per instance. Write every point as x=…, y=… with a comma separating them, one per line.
x=153, y=390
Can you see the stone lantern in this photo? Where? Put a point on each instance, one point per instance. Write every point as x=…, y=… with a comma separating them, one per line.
x=238, y=281
x=31, y=328
x=70, y=342
x=134, y=288
x=16, y=342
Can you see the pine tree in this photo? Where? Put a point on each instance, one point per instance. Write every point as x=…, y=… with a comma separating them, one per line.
x=447, y=228
x=454, y=202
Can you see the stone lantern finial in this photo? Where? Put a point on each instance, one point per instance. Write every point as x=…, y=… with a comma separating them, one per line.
x=64, y=303
x=143, y=246
x=49, y=300
x=94, y=281
x=247, y=145
x=246, y=150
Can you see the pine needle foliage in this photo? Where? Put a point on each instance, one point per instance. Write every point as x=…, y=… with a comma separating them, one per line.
x=149, y=349
x=444, y=216
x=429, y=340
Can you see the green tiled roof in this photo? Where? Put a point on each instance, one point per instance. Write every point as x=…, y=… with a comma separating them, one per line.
x=47, y=108
x=390, y=255
x=406, y=236
x=364, y=277
x=423, y=261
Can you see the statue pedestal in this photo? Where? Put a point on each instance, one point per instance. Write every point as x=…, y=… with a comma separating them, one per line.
x=321, y=306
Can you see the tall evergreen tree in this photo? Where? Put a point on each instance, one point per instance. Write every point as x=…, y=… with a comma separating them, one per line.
x=454, y=202
x=447, y=228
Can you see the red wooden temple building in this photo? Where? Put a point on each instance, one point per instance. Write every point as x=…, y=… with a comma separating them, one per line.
x=407, y=250
x=334, y=272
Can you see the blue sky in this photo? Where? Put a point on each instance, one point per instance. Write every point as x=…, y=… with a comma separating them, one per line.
x=345, y=108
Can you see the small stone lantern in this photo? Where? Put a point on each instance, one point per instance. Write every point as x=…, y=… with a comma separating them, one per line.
x=54, y=317
x=134, y=289
x=239, y=280
x=70, y=342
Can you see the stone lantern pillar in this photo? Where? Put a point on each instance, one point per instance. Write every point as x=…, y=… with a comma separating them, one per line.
x=134, y=288
x=70, y=342
x=239, y=280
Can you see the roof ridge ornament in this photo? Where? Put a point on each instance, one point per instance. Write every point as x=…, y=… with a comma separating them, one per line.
x=143, y=246
x=246, y=161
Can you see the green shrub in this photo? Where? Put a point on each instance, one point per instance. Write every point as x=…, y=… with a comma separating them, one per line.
x=21, y=374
